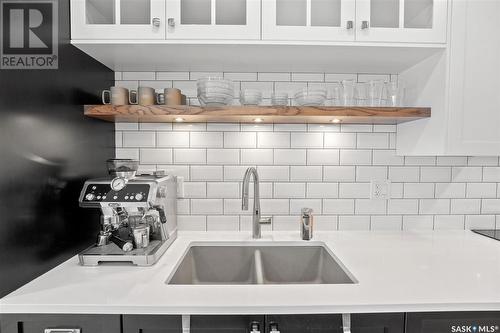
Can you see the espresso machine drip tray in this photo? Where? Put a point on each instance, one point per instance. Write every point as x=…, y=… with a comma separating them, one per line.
x=111, y=253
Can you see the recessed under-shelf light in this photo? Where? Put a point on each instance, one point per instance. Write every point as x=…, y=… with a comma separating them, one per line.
x=179, y=120
x=258, y=120
x=335, y=120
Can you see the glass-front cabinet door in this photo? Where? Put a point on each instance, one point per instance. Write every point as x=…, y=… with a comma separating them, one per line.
x=117, y=19
x=308, y=20
x=213, y=19
x=419, y=21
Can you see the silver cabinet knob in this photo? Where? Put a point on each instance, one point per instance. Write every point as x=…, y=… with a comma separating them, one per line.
x=171, y=22
x=156, y=22
x=365, y=25
x=350, y=25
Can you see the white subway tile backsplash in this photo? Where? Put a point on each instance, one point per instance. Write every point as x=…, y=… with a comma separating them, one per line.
x=480, y=222
x=338, y=206
x=354, y=223
x=206, y=173
x=491, y=174
x=257, y=156
x=173, y=139
x=402, y=206
x=138, y=139
x=449, y=222
x=340, y=140
x=274, y=76
x=386, y=222
x=354, y=190
x=290, y=156
x=465, y=206
x=190, y=156
x=306, y=173
x=404, y=174
x=369, y=173
x=206, y=206
x=450, y=190
x=339, y=173
x=481, y=190
x=322, y=190
x=466, y=174
x=355, y=157
x=323, y=157
x=307, y=140
x=223, y=223
x=373, y=140
x=327, y=167
x=289, y=190
x=418, y=222
x=434, y=206
x=156, y=156
x=435, y=174
x=223, y=190
x=206, y=139
x=273, y=173
x=273, y=140
x=370, y=207
x=240, y=140
x=418, y=190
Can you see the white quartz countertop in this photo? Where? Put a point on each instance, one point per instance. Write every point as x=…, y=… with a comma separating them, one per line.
x=396, y=272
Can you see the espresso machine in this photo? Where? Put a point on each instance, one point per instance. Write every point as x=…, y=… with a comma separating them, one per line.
x=138, y=215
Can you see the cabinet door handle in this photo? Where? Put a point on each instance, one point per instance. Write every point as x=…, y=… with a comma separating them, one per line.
x=349, y=25
x=254, y=327
x=365, y=24
x=171, y=22
x=62, y=330
x=346, y=323
x=156, y=22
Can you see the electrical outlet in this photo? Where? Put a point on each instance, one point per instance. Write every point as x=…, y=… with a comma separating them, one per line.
x=380, y=189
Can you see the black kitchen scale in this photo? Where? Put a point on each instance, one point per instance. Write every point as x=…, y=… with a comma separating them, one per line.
x=491, y=233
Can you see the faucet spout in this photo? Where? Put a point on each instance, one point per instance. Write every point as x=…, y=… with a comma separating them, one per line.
x=256, y=219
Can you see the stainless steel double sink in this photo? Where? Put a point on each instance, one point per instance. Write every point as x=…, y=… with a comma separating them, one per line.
x=259, y=263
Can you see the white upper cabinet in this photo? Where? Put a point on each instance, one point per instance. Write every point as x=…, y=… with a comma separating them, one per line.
x=117, y=19
x=308, y=20
x=417, y=21
x=213, y=19
x=474, y=102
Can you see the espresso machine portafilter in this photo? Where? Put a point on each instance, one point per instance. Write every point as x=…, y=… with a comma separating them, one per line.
x=138, y=215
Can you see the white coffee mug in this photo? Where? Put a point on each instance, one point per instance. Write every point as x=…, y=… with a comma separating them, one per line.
x=143, y=96
x=116, y=96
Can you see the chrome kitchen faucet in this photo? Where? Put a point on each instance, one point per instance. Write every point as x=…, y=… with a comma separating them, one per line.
x=256, y=219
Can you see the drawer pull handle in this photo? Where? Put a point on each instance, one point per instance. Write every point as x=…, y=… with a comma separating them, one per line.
x=62, y=330
x=346, y=323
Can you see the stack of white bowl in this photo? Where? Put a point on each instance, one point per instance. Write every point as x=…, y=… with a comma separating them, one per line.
x=250, y=97
x=310, y=97
x=215, y=91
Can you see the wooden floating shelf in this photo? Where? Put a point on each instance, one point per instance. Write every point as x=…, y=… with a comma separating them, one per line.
x=248, y=114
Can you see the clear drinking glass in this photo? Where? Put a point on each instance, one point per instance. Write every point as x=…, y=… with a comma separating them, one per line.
x=395, y=93
x=360, y=94
x=335, y=92
x=279, y=99
x=374, y=90
x=348, y=92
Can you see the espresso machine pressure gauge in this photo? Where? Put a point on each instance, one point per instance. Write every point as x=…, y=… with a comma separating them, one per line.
x=118, y=184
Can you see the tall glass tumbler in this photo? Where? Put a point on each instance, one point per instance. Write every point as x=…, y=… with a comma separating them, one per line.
x=348, y=92
x=395, y=92
x=374, y=90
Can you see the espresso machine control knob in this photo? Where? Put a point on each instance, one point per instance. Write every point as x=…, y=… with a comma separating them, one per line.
x=90, y=197
x=139, y=196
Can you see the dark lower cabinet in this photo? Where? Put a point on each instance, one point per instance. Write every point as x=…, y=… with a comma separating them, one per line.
x=151, y=324
x=321, y=323
x=225, y=324
x=315, y=323
x=453, y=322
x=44, y=323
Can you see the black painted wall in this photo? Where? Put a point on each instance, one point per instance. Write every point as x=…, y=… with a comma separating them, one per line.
x=47, y=149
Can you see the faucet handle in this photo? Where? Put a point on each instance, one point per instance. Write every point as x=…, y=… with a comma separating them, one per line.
x=266, y=220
